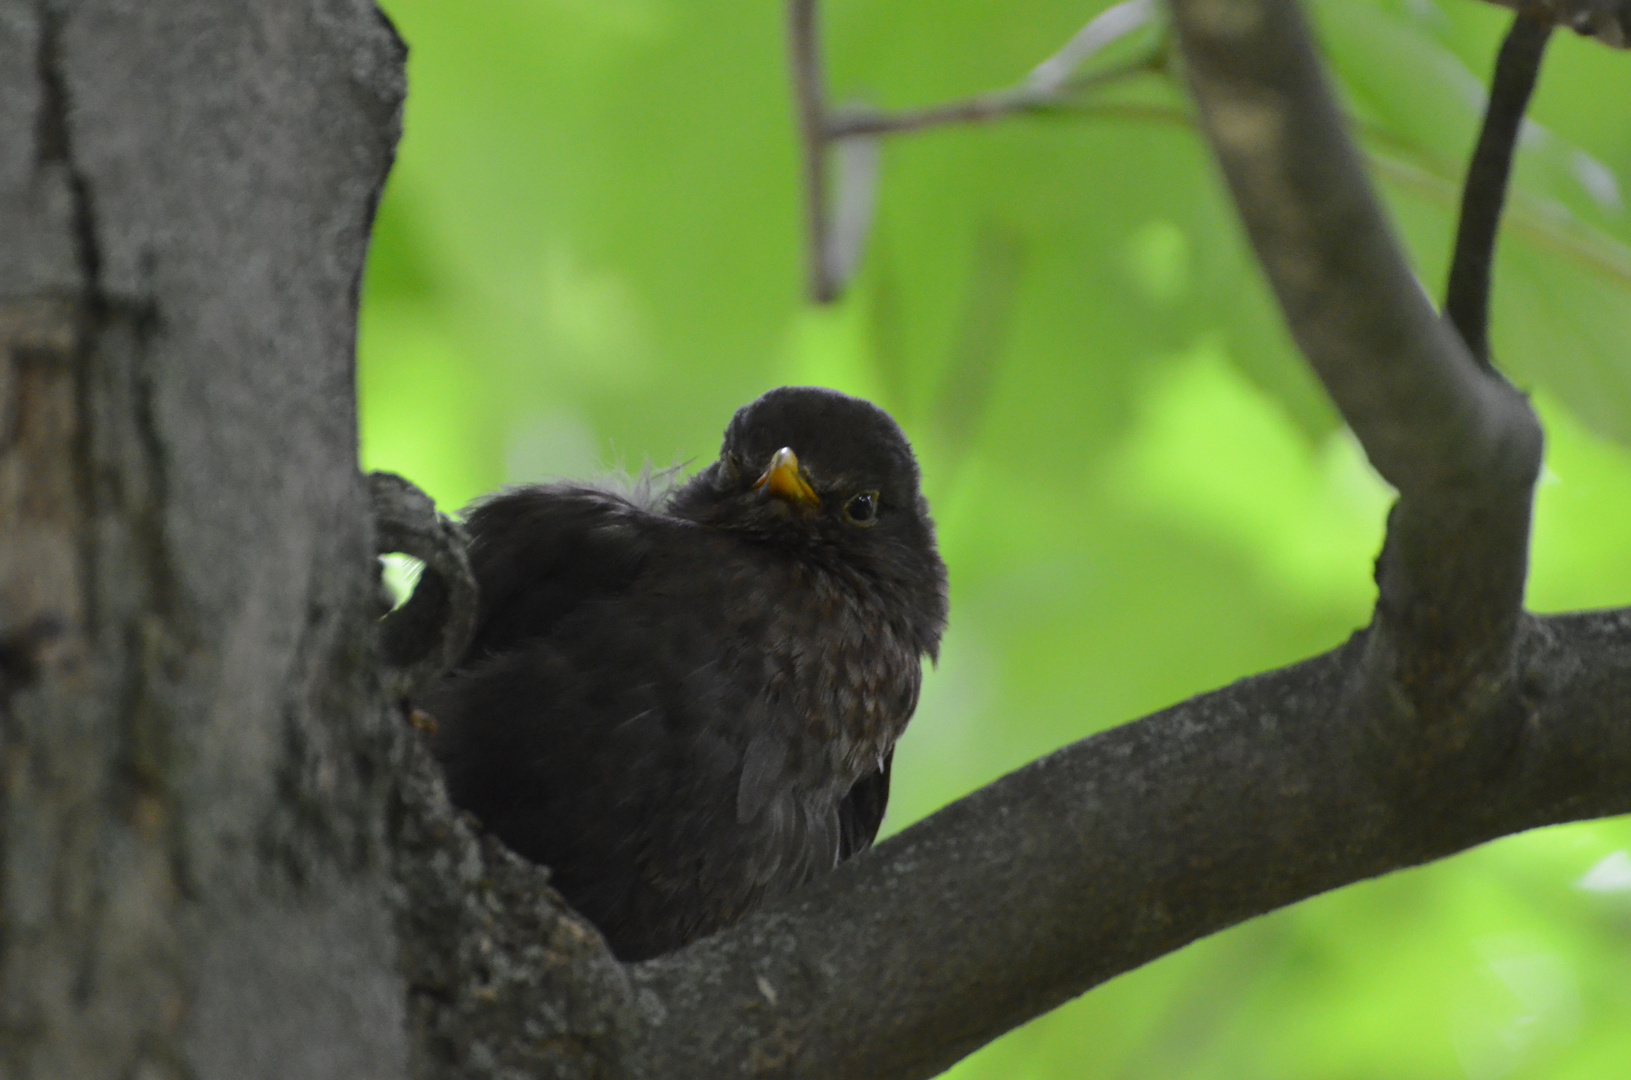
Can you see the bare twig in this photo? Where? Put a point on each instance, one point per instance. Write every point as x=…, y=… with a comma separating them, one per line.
x=1466, y=302
x=1544, y=224
x=810, y=98
x=1103, y=30
x=1021, y=100
x=1054, y=85
x=1460, y=445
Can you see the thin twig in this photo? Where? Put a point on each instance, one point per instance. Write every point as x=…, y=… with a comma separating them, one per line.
x=1546, y=225
x=1103, y=30
x=1050, y=87
x=1021, y=100
x=809, y=94
x=1543, y=224
x=1466, y=302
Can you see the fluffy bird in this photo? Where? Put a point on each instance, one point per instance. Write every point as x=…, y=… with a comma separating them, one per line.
x=690, y=708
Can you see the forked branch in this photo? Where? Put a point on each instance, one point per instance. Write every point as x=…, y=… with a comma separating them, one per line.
x=1454, y=718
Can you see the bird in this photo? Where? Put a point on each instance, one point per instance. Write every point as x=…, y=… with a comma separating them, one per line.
x=686, y=705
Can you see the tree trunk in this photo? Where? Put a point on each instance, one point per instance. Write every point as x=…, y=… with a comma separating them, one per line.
x=195, y=758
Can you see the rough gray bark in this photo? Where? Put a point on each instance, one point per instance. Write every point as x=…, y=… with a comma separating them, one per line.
x=193, y=761
x=223, y=852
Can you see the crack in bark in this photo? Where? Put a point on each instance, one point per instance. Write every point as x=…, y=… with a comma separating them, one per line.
x=107, y=487
x=112, y=350
x=55, y=145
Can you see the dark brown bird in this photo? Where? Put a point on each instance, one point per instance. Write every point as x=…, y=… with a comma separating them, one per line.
x=688, y=709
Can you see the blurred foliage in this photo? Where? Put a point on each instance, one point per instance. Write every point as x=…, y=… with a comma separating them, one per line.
x=590, y=254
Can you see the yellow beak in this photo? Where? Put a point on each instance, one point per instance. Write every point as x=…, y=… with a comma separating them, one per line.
x=783, y=480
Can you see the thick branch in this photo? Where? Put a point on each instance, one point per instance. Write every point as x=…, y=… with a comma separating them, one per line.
x=1451, y=720
x=1117, y=850
x=1426, y=415
x=1459, y=443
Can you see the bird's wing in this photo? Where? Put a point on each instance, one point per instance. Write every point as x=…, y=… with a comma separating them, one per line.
x=861, y=812
x=611, y=752
x=539, y=553
x=598, y=725
x=764, y=774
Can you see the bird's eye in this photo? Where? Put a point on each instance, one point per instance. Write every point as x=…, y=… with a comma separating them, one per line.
x=862, y=509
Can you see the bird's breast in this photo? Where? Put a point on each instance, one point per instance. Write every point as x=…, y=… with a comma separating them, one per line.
x=845, y=673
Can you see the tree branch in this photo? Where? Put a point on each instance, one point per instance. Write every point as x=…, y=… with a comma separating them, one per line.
x=1114, y=851
x=1466, y=302
x=1052, y=85
x=1607, y=21
x=1424, y=412
x=1022, y=100
x=1454, y=718
x=810, y=98
x=1460, y=445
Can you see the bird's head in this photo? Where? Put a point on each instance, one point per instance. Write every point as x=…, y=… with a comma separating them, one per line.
x=830, y=477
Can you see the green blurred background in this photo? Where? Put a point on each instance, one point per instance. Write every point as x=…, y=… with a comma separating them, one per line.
x=589, y=254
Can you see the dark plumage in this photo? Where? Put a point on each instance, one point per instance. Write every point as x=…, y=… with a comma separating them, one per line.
x=690, y=709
